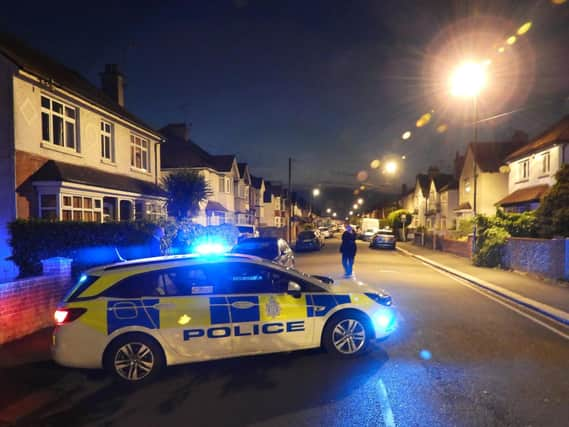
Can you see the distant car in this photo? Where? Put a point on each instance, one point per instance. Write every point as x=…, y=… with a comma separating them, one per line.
x=309, y=240
x=326, y=232
x=247, y=231
x=383, y=239
x=271, y=248
x=367, y=234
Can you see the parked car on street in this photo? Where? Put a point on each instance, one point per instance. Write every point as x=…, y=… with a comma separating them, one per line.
x=309, y=240
x=326, y=232
x=246, y=231
x=271, y=248
x=137, y=317
x=383, y=239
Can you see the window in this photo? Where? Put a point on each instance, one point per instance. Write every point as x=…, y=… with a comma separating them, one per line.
x=545, y=163
x=224, y=185
x=48, y=206
x=245, y=278
x=79, y=208
x=139, y=152
x=58, y=123
x=107, y=146
x=523, y=169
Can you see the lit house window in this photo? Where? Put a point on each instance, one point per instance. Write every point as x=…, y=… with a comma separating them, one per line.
x=139, y=152
x=545, y=163
x=78, y=208
x=107, y=148
x=58, y=123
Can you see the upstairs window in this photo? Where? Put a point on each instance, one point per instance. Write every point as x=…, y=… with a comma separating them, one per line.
x=545, y=163
x=58, y=123
x=523, y=170
x=107, y=146
x=139, y=152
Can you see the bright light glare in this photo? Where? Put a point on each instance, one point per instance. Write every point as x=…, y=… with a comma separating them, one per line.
x=328, y=210
x=210, y=248
x=60, y=316
x=406, y=135
x=390, y=167
x=511, y=40
x=383, y=319
x=316, y=192
x=360, y=201
x=374, y=164
x=351, y=212
x=355, y=206
x=334, y=214
x=468, y=79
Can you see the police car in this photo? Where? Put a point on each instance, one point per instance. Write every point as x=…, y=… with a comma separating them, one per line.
x=135, y=317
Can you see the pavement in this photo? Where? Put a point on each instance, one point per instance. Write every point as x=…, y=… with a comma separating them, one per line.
x=460, y=357
x=551, y=293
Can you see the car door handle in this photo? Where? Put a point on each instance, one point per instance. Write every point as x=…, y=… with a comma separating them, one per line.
x=242, y=304
x=319, y=308
x=163, y=305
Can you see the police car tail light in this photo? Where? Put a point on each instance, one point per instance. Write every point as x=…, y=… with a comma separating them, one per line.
x=67, y=315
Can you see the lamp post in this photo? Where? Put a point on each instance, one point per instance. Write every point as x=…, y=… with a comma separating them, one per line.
x=315, y=193
x=468, y=80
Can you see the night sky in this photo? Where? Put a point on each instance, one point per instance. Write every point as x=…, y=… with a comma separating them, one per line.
x=333, y=84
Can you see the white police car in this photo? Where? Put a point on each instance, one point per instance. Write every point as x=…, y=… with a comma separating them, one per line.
x=133, y=318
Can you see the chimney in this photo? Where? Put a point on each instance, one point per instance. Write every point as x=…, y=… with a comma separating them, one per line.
x=433, y=171
x=177, y=130
x=403, y=189
x=112, y=83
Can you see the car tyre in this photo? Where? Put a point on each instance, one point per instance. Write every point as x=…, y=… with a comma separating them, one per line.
x=134, y=359
x=347, y=334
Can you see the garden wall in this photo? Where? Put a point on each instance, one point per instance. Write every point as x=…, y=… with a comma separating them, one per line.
x=545, y=257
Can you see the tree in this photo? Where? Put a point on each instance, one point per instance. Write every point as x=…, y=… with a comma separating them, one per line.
x=553, y=214
x=395, y=221
x=185, y=190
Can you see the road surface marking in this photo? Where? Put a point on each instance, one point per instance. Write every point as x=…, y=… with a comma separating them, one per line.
x=498, y=300
x=386, y=411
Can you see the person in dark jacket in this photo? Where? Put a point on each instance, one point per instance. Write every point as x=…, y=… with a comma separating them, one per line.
x=348, y=248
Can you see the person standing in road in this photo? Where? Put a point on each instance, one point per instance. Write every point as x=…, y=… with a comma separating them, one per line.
x=348, y=250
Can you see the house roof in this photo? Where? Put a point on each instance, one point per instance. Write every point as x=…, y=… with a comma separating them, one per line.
x=424, y=183
x=441, y=180
x=214, y=207
x=464, y=207
x=48, y=69
x=525, y=195
x=489, y=156
x=59, y=171
x=559, y=132
x=242, y=168
x=451, y=185
x=256, y=182
x=179, y=153
x=267, y=196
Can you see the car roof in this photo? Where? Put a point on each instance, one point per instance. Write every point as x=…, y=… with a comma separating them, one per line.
x=170, y=260
x=259, y=239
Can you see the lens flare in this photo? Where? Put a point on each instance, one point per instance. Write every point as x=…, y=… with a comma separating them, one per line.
x=406, y=135
x=501, y=49
x=442, y=128
x=375, y=164
x=423, y=120
x=511, y=40
x=362, y=176
x=524, y=28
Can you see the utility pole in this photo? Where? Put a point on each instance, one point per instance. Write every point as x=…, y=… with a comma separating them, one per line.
x=289, y=199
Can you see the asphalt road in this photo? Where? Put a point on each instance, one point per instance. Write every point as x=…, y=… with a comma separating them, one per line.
x=458, y=359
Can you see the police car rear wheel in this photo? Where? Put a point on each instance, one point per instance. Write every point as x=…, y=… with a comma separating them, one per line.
x=347, y=335
x=134, y=358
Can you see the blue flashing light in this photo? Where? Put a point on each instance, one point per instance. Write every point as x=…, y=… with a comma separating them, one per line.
x=383, y=319
x=209, y=246
x=425, y=354
x=82, y=278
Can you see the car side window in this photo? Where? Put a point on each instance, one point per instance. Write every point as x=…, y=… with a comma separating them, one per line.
x=248, y=278
x=136, y=286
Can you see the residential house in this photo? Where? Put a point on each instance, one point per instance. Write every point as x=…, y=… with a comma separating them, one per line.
x=275, y=215
x=68, y=149
x=420, y=196
x=221, y=172
x=532, y=168
x=491, y=184
x=434, y=213
x=256, y=199
x=448, y=199
x=242, y=190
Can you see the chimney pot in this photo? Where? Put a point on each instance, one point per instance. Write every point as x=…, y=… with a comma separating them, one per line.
x=112, y=83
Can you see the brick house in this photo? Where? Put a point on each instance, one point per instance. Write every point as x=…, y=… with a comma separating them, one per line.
x=68, y=149
x=532, y=168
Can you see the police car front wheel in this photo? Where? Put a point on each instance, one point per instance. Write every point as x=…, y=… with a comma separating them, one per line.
x=134, y=358
x=347, y=335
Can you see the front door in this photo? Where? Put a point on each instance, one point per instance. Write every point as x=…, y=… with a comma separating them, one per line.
x=264, y=317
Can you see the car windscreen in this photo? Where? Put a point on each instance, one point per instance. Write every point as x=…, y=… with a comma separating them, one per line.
x=245, y=229
x=306, y=235
x=257, y=248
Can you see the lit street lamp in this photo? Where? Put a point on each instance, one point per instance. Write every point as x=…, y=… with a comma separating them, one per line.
x=467, y=81
x=328, y=210
x=315, y=193
x=390, y=167
x=334, y=214
x=356, y=206
x=351, y=212
x=360, y=201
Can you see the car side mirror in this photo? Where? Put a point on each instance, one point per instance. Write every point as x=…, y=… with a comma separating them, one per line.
x=294, y=289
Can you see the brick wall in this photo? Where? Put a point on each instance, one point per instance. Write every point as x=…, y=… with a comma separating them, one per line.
x=544, y=257
x=456, y=247
x=26, y=165
x=27, y=305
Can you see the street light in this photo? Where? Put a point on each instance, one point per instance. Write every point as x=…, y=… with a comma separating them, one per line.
x=467, y=81
x=315, y=193
x=334, y=214
x=351, y=212
x=390, y=167
x=328, y=210
x=360, y=201
x=356, y=206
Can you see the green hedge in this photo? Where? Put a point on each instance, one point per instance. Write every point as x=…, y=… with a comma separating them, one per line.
x=87, y=243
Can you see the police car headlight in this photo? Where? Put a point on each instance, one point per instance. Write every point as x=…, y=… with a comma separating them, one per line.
x=381, y=298
x=383, y=319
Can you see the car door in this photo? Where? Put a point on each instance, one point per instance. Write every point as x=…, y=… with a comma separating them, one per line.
x=264, y=317
x=192, y=322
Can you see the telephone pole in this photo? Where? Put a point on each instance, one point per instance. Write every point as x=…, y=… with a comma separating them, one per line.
x=289, y=199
